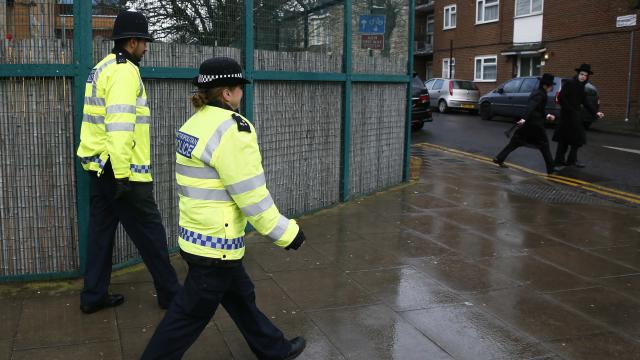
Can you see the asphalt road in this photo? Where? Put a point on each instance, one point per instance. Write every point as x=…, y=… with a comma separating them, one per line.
x=606, y=166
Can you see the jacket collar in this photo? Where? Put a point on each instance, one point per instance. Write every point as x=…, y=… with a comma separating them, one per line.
x=127, y=55
x=220, y=104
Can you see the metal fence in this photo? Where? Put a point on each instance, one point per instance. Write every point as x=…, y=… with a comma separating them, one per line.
x=329, y=99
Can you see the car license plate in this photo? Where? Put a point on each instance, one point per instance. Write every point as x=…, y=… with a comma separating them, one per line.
x=468, y=106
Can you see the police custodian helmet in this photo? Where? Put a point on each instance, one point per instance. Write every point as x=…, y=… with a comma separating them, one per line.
x=219, y=71
x=131, y=24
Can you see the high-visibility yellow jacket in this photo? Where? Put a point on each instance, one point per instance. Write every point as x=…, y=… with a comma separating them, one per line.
x=221, y=185
x=116, y=121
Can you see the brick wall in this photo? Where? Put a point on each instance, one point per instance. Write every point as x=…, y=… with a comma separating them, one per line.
x=573, y=32
x=471, y=40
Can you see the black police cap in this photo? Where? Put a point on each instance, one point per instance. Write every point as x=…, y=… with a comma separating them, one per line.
x=131, y=24
x=219, y=71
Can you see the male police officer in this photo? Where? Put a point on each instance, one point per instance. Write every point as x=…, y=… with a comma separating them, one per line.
x=115, y=150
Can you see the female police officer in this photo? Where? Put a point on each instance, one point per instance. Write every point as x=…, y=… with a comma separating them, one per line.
x=221, y=185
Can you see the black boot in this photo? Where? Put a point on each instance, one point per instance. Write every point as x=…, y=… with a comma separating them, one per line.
x=112, y=300
x=297, y=346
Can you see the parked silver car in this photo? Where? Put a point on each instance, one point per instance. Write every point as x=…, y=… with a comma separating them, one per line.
x=448, y=94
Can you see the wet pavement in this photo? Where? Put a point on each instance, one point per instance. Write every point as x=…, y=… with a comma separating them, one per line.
x=469, y=262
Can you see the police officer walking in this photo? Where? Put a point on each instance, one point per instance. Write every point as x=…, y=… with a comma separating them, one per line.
x=115, y=151
x=221, y=185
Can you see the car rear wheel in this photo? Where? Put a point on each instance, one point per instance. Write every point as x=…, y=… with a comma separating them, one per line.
x=442, y=106
x=417, y=126
x=485, y=111
x=587, y=125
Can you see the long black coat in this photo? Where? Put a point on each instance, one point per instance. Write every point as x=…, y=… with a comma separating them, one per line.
x=532, y=132
x=570, y=129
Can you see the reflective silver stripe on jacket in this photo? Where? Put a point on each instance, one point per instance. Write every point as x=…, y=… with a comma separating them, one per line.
x=280, y=229
x=141, y=101
x=214, y=141
x=93, y=119
x=143, y=119
x=94, y=91
x=120, y=126
x=205, y=172
x=203, y=194
x=121, y=109
x=88, y=100
x=258, y=208
x=246, y=185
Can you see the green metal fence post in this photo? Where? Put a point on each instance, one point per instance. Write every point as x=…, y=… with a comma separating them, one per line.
x=346, y=105
x=407, y=135
x=83, y=60
x=248, y=59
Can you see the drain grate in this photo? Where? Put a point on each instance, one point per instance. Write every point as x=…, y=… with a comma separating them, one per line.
x=557, y=194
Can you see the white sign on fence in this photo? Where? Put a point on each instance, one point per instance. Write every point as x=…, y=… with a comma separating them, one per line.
x=626, y=20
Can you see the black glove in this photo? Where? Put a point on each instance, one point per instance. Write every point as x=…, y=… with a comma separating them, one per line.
x=122, y=187
x=295, y=244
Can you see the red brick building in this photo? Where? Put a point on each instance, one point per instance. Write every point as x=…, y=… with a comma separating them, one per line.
x=495, y=40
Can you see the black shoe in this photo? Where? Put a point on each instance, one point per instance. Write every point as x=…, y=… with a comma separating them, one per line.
x=560, y=163
x=111, y=301
x=552, y=171
x=500, y=163
x=297, y=345
x=577, y=164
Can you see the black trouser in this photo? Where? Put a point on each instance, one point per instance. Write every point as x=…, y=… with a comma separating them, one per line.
x=139, y=215
x=204, y=288
x=516, y=143
x=562, y=150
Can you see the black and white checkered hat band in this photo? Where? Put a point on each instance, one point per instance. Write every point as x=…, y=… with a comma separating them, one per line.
x=206, y=78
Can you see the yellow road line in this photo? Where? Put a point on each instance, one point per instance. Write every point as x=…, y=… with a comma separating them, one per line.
x=603, y=190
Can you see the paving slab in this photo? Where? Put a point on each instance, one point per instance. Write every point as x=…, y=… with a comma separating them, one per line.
x=629, y=285
x=108, y=350
x=9, y=317
x=57, y=321
x=375, y=332
x=404, y=288
x=322, y=288
x=535, y=273
x=461, y=275
x=466, y=332
x=581, y=262
x=607, y=306
x=535, y=314
x=597, y=347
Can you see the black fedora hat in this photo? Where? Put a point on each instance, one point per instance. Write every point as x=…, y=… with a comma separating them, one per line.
x=219, y=71
x=586, y=68
x=547, y=79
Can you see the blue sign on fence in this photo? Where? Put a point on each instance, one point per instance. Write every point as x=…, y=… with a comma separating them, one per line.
x=371, y=24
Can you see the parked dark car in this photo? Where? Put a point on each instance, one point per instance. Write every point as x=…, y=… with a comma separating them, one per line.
x=420, y=109
x=510, y=99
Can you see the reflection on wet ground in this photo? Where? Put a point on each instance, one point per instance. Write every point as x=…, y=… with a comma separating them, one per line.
x=469, y=262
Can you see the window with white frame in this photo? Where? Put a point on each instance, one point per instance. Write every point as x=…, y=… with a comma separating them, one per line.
x=445, y=68
x=529, y=65
x=486, y=68
x=450, y=17
x=487, y=11
x=430, y=22
x=528, y=7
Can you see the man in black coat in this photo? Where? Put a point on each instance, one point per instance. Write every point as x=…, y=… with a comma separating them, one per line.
x=570, y=131
x=531, y=130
